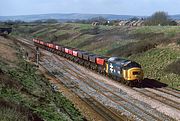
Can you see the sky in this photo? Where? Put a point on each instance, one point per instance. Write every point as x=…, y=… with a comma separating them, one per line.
x=119, y=7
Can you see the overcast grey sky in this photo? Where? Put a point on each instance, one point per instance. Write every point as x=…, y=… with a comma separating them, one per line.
x=120, y=7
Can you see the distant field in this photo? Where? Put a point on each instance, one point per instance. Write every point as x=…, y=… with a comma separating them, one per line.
x=154, y=47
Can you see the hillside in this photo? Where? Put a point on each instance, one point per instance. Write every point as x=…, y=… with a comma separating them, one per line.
x=25, y=94
x=73, y=16
x=64, y=17
x=156, y=48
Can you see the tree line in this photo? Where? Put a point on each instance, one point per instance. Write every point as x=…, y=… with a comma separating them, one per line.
x=158, y=18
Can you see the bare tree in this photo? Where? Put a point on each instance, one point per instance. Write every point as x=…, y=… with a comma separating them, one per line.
x=158, y=18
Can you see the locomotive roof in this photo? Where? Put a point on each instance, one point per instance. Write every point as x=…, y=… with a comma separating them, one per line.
x=119, y=61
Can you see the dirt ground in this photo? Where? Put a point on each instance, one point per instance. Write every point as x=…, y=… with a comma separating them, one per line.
x=6, y=50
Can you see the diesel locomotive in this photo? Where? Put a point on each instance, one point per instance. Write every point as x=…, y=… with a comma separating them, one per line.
x=119, y=69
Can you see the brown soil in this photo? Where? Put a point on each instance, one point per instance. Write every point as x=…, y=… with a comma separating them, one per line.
x=6, y=51
x=20, y=109
x=8, y=82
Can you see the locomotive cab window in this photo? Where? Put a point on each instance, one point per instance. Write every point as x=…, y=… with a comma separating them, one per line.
x=136, y=73
x=131, y=65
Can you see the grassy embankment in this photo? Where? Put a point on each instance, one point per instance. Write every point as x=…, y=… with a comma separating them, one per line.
x=156, y=48
x=25, y=94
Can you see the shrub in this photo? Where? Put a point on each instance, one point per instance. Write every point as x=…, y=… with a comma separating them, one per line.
x=159, y=18
x=141, y=46
x=174, y=67
x=134, y=48
x=178, y=41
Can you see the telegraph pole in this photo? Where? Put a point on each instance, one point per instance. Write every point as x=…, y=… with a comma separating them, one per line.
x=37, y=56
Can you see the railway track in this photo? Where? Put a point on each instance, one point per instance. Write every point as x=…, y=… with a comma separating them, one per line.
x=105, y=112
x=159, y=97
x=165, y=95
x=97, y=88
x=118, y=98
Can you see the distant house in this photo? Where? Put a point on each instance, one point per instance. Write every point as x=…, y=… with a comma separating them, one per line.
x=95, y=23
x=131, y=23
x=121, y=23
x=126, y=23
x=139, y=23
x=178, y=22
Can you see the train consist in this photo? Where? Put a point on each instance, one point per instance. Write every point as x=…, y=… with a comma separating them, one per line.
x=125, y=71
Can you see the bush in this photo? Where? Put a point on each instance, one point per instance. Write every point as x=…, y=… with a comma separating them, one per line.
x=141, y=46
x=178, y=41
x=134, y=48
x=159, y=18
x=174, y=67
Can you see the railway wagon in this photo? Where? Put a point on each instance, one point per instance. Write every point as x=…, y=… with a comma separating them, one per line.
x=122, y=70
x=92, y=59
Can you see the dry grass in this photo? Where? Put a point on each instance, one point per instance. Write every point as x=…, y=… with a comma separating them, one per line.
x=6, y=50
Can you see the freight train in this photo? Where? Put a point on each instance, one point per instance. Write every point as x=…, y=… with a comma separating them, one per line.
x=122, y=70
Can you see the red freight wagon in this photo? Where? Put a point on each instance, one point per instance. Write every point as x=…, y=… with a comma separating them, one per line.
x=56, y=47
x=50, y=45
x=35, y=40
x=70, y=51
x=46, y=44
x=66, y=50
x=75, y=53
x=41, y=42
x=100, y=61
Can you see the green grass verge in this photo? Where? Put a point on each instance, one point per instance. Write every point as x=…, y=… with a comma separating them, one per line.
x=154, y=63
x=167, y=30
x=21, y=85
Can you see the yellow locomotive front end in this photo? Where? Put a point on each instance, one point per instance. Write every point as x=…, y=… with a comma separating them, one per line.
x=133, y=74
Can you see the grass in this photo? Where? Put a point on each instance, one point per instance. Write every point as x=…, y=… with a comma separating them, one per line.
x=75, y=42
x=81, y=26
x=34, y=89
x=167, y=30
x=20, y=85
x=7, y=114
x=137, y=43
x=154, y=63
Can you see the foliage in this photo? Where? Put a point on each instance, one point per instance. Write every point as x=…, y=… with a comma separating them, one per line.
x=159, y=18
x=146, y=42
x=174, y=67
x=7, y=114
x=51, y=21
x=99, y=19
x=21, y=86
x=133, y=48
x=155, y=61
